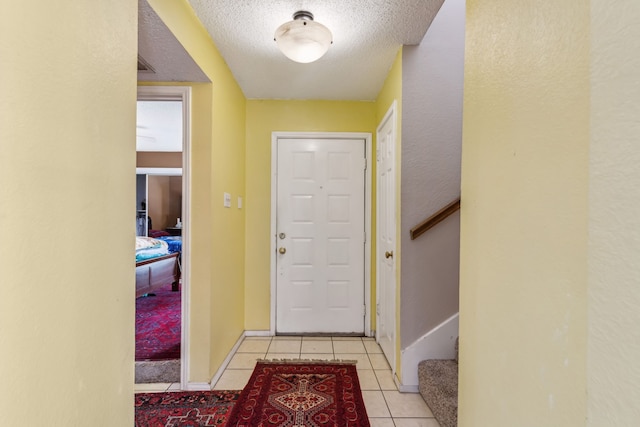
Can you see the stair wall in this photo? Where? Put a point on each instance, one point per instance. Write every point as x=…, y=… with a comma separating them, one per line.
x=439, y=343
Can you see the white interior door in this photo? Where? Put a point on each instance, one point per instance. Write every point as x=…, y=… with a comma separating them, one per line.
x=320, y=236
x=386, y=238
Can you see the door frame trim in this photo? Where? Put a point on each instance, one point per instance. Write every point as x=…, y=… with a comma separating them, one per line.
x=182, y=93
x=367, y=137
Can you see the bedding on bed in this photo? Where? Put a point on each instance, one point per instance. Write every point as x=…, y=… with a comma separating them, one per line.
x=174, y=242
x=147, y=248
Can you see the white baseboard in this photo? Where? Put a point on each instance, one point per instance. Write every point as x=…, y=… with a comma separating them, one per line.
x=198, y=386
x=193, y=386
x=226, y=362
x=263, y=333
x=439, y=343
x=402, y=388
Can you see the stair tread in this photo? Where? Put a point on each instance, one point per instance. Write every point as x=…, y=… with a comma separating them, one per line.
x=438, y=381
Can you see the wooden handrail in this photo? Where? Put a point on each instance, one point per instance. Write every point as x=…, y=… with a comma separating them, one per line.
x=435, y=219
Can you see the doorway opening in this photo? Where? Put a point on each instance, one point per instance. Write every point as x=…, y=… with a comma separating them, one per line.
x=163, y=222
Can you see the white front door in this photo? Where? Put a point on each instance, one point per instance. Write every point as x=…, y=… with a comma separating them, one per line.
x=386, y=238
x=320, y=236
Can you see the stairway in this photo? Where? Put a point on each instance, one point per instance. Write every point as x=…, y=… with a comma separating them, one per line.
x=438, y=385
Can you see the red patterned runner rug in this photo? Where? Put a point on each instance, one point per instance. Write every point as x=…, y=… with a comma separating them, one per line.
x=301, y=394
x=184, y=409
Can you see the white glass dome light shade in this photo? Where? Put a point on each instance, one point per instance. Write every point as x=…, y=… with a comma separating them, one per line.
x=303, y=40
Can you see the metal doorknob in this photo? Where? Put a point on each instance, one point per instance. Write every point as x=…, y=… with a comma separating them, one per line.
x=282, y=251
x=388, y=254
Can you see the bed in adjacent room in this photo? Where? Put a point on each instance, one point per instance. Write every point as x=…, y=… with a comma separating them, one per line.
x=156, y=265
x=174, y=242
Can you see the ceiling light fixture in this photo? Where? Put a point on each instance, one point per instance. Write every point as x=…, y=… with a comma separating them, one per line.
x=303, y=39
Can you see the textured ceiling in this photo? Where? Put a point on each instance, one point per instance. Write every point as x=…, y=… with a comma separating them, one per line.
x=162, y=51
x=366, y=37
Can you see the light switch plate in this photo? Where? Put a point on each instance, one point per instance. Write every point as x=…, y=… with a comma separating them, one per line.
x=227, y=200
x=239, y=202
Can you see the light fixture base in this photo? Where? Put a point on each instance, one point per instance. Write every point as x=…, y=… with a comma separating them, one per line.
x=303, y=15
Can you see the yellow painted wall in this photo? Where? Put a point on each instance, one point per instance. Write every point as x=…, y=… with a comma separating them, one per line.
x=218, y=159
x=392, y=91
x=263, y=118
x=67, y=191
x=614, y=215
x=201, y=237
x=523, y=282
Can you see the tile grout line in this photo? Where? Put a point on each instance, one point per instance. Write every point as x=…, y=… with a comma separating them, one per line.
x=333, y=349
x=388, y=408
x=374, y=372
x=379, y=385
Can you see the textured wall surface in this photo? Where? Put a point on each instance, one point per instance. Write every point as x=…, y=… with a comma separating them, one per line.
x=614, y=209
x=67, y=181
x=524, y=223
x=431, y=148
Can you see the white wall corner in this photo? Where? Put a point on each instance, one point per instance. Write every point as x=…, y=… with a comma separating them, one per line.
x=439, y=343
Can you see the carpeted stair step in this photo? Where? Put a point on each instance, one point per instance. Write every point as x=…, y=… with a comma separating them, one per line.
x=438, y=385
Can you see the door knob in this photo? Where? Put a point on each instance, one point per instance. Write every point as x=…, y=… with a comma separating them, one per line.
x=282, y=251
x=388, y=254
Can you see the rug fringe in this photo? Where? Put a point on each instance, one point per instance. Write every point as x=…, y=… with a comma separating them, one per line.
x=308, y=361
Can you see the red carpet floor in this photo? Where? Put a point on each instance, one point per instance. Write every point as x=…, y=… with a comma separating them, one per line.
x=185, y=409
x=158, y=321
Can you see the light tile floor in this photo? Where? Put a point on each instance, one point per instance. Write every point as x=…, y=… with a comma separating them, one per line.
x=385, y=405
